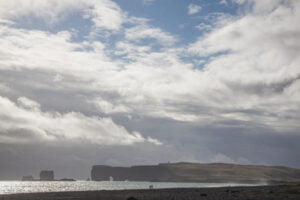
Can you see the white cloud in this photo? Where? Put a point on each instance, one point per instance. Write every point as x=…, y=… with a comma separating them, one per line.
x=141, y=32
x=247, y=61
x=193, y=9
x=29, y=49
x=104, y=13
x=204, y=27
x=7, y=22
x=259, y=53
x=131, y=50
x=109, y=107
x=224, y=2
x=25, y=122
x=49, y=10
x=28, y=104
x=154, y=141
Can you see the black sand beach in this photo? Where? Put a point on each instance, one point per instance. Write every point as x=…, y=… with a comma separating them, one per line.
x=280, y=192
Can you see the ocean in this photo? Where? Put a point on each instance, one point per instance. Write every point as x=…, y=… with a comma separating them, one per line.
x=10, y=187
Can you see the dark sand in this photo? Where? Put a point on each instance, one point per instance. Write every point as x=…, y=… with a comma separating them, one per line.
x=282, y=192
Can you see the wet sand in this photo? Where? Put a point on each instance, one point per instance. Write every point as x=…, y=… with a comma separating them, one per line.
x=280, y=192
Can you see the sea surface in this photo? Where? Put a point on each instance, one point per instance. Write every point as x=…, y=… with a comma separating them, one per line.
x=10, y=187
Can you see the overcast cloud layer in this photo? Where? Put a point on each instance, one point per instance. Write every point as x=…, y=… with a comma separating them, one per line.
x=86, y=82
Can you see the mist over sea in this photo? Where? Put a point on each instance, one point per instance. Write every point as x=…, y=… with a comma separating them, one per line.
x=10, y=187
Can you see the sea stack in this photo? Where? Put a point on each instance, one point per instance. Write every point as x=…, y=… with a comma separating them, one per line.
x=47, y=175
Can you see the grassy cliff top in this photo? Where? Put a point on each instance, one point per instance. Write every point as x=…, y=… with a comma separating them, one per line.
x=221, y=172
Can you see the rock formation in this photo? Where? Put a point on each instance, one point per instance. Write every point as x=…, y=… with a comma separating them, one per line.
x=46, y=175
x=196, y=172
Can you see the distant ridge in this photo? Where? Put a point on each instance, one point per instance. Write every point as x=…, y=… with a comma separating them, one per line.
x=197, y=172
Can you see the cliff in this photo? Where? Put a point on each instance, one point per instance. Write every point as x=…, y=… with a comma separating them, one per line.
x=196, y=172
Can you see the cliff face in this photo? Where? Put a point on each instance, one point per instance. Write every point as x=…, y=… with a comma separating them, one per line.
x=220, y=172
x=195, y=172
x=135, y=173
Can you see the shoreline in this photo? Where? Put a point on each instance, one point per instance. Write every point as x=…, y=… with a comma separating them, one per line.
x=275, y=192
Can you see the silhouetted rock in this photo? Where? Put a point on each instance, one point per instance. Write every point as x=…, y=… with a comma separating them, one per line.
x=46, y=175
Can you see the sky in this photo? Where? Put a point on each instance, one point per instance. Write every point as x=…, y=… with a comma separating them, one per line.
x=121, y=83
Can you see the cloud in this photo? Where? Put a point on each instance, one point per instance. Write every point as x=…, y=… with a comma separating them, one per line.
x=108, y=107
x=193, y=9
x=257, y=6
x=239, y=39
x=224, y=2
x=252, y=59
x=28, y=104
x=158, y=83
x=32, y=49
x=204, y=27
x=57, y=78
x=25, y=122
x=148, y=2
x=105, y=14
x=4, y=88
x=240, y=81
x=140, y=32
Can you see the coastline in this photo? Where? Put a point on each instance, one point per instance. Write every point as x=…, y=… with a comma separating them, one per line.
x=274, y=192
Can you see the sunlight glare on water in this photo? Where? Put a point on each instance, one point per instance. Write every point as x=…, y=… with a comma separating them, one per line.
x=9, y=187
